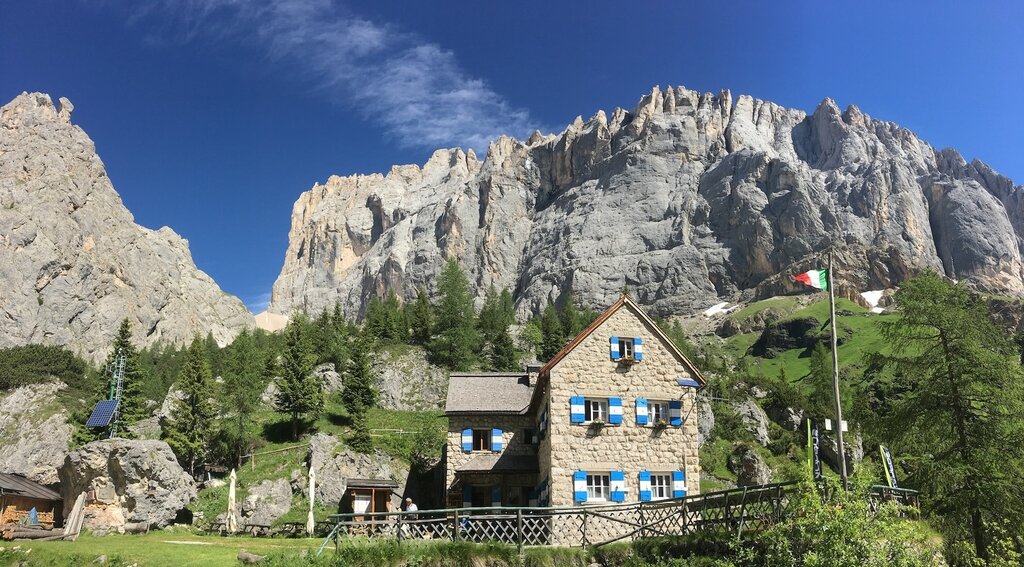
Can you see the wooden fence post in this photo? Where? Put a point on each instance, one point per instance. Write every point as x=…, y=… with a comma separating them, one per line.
x=584, y=542
x=643, y=523
x=519, y=529
x=455, y=525
x=399, y=528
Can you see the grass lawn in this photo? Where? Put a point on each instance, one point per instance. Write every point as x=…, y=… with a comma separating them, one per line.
x=158, y=549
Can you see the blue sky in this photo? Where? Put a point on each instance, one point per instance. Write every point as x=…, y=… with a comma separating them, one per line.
x=213, y=115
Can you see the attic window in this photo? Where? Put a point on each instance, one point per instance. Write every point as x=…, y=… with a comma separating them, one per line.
x=626, y=347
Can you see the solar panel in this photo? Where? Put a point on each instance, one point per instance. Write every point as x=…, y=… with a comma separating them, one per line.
x=102, y=414
x=688, y=382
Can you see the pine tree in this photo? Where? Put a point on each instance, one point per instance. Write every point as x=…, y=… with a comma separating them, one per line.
x=421, y=318
x=187, y=431
x=572, y=322
x=955, y=422
x=456, y=336
x=359, y=390
x=506, y=308
x=299, y=392
x=244, y=383
x=553, y=334
x=360, y=440
x=132, y=406
x=490, y=320
x=503, y=355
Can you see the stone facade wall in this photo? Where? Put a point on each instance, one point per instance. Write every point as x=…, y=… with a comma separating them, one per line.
x=589, y=371
x=512, y=427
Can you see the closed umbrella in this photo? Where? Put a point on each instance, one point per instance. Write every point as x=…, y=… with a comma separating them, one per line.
x=310, y=522
x=232, y=519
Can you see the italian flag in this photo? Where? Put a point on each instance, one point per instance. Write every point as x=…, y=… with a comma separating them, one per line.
x=818, y=279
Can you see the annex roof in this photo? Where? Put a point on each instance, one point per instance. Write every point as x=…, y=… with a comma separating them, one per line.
x=488, y=392
x=371, y=483
x=500, y=463
x=21, y=486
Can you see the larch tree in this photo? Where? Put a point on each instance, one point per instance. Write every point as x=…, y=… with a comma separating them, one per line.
x=955, y=422
x=243, y=385
x=358, y=392
x=455, y=333
x=420, y=317
x=187, y=430
x=553, y=333
x=300, y=394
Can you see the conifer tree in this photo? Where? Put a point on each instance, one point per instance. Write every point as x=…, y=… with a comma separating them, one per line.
x=243, y=385
x=490, y=320
x=187, y=430
x=456, y=336
x=421, y=318
x=572, y=320
x=299, y=392
x=553, y=334
x=503, y=355
x=358, y=389
x=360, y=440
x=955, y=422
x=132, y=407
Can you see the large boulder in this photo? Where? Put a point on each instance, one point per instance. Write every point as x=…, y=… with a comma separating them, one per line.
x=801, y=332
x=829, y=451
x=126, y=482
x=334, y=468
x=267, y=501
x=34, y=432
x=705, y=420
x=407, y=381
x=754, y=419
x=749, y=467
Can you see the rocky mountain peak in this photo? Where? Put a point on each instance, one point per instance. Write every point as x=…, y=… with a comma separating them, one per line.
x=689, y=199
x=72, y=259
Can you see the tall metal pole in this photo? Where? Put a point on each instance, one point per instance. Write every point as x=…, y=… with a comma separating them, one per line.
x=835, y=376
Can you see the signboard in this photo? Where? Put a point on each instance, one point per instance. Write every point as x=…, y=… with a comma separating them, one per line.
x=813, y=446
x=890, y=468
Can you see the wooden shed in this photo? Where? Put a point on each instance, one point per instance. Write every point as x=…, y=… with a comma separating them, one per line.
x=364, y=495
x=19, y=495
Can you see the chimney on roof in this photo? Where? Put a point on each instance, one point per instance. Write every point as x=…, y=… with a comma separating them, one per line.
x=532, y=373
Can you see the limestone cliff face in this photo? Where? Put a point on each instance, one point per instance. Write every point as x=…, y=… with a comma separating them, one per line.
x=73, y=263
x=688, y=199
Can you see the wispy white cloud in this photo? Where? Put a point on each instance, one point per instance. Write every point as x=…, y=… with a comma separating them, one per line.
x=415, y=90
x=258, y=303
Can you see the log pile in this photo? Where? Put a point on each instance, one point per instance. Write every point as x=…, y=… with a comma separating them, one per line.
x=11, y=532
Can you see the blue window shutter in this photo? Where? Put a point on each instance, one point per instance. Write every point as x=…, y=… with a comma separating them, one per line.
x=617, y=485
x=614, y=411
x=496, y=496
x=641, y=411
x=638, y=349
x=576, y=414
x=579, y=486
x=467, y=440
x=467, y=496
x=613, y=345
x=678, y=484
x=675, y=413
x=644, y=479
x=496, y=440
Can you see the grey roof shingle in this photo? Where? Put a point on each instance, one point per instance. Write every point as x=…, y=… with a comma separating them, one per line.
x=488, y=392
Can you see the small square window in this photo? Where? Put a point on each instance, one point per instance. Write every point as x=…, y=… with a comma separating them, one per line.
x=661, y=486
x=595, y=410
x=598, y=487
x=481, y=439
x=530, y=436
x=626, y=347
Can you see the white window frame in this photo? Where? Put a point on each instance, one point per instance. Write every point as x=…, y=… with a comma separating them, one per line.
x=654, y=408
x=589, y=404
x=626, y=347
x=599, y=487
x=661, y=485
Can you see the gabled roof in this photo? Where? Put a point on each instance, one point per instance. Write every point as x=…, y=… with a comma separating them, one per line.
x=488, y=393
x=625, y=300
x=21, y=486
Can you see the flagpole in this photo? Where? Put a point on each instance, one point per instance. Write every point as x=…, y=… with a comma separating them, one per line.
x=835, y=376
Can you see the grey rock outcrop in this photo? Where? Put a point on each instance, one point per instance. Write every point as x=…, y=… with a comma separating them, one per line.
x=72, y=260
x=788, y=418
x=131, y=481
x=829, y=450
x=689, y=199
x=333, y=469
x=34, y=432
x=705, y=420
x=266, y=502
x=754, y=419
x=749, y=467
x=407, y=381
